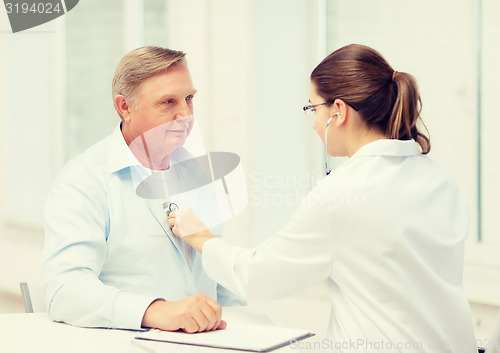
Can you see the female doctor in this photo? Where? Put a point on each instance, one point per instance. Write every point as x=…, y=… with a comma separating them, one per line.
x=392, y=261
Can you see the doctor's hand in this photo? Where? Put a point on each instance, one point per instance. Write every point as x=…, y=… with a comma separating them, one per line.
x=197, y=313
x=186, y=225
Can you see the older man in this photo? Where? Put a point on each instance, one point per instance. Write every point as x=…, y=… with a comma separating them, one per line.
x=110, y=258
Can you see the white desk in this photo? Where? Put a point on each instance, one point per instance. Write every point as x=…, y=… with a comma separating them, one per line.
x=33, y=333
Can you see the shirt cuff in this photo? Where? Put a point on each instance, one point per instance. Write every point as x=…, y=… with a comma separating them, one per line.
x=129, y=310
x=218, y=261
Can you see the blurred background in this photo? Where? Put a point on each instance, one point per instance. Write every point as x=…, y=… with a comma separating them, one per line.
x=250, y=61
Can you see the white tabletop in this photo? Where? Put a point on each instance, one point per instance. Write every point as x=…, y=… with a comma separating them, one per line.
x=30, y=333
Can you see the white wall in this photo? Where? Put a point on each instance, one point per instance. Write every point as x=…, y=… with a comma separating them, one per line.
x=285, y=52
x=251, y=61
x=216, y=35
x=29, y=105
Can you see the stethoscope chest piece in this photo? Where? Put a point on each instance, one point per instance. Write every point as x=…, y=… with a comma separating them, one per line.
x=170, y=207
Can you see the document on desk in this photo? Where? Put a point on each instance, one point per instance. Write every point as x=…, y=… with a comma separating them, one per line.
x=254, y=338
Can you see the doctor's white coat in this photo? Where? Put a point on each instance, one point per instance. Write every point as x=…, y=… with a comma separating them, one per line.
x=386, y=231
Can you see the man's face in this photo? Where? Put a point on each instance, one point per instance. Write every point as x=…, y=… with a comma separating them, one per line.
x=163, y=117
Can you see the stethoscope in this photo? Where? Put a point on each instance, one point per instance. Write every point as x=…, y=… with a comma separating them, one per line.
x=327, y=169
x=170, y=207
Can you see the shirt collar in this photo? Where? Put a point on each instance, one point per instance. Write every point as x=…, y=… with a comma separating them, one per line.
x=390, y=148
x=119, y=155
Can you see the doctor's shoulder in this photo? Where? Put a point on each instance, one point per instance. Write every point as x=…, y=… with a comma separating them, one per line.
x=437, y=171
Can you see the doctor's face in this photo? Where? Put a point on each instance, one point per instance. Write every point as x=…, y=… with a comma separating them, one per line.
x=163, y=117
x=321, y=115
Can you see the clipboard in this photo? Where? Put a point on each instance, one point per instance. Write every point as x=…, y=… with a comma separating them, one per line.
x=251, y=338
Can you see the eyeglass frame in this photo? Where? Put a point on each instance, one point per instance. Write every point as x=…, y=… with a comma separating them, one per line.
x=305, y=108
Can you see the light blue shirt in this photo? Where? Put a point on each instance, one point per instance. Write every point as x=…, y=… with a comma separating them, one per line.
x=110, y=253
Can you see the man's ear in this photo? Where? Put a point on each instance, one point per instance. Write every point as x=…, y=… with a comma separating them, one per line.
x=123, y=107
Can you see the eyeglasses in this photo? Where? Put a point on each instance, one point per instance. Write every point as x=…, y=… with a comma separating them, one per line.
x=310, y=110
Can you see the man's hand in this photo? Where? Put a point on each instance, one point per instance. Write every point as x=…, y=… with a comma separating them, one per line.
x=197, y=313
x=186, y=225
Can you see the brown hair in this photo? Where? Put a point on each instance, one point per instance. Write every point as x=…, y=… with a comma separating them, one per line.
x=140, y=64
x=386, y=99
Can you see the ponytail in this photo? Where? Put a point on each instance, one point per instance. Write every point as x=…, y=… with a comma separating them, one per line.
x=387, y=100
x=405, y=114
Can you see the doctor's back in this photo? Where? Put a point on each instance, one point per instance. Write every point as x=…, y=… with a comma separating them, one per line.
x=398, y=237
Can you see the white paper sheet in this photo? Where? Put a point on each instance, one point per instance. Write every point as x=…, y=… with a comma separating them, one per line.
x=242, y=337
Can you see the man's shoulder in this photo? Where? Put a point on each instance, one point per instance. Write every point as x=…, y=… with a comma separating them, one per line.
x=95, y=154
x=92, y=162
